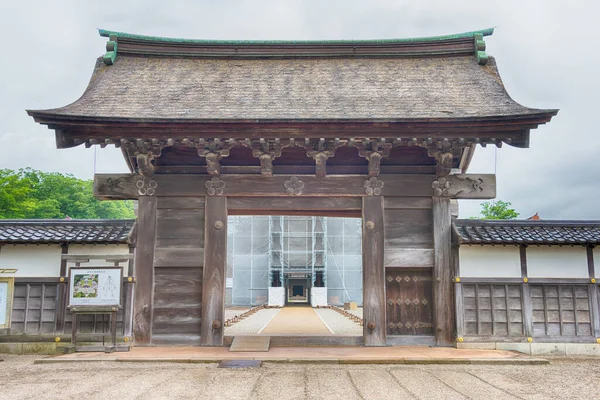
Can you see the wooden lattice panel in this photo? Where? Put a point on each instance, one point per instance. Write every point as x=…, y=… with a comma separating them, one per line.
x=34, y=308
x=561, y=310
x=492, y=310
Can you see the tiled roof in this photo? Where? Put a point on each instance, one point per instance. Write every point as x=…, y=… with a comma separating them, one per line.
x=65, y=231
x=189, y=89
x=527, y=232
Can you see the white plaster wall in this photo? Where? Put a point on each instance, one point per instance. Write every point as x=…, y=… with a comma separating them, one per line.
x=32, y=260
x=489, y=261
x=557, y=262
x=596, y=253
x=97, y=249
x=276, y=296
x=318, y=296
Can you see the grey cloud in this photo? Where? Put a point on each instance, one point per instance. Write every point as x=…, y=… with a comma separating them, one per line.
x=544, y=50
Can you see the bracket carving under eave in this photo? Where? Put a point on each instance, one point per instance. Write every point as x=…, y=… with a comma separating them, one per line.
x=320, y=151
x=445, y=152
x=145, y=152
x=213, y=151
x=267, y=151
x=373, y=151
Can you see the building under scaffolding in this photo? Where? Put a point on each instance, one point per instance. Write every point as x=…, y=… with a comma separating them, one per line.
x=279, y=260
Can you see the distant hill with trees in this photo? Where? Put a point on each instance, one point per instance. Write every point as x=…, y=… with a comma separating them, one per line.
x=498, y=210
x=32, y=194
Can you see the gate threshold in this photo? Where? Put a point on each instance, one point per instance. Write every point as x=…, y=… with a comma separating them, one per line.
x=336, y=355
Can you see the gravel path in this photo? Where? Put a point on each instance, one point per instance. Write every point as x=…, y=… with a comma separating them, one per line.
x=339, y=324
x=252, y=324
x=562, y=379
x=358, y=312
x=232, y=312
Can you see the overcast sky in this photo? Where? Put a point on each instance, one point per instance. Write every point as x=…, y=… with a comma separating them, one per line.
x=545, y=50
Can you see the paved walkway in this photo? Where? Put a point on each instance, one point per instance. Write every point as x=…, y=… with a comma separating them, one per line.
x=253, y=324
x=337, y=354
x=296, y=320
x=562, y=379
x=339, y=324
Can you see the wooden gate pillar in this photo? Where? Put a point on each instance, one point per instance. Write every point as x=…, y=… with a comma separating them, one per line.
x=144, y=271
x=374, y=328
x=443, y=314
x=213, y=281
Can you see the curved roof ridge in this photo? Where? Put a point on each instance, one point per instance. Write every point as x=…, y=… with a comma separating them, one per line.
x=133, y=36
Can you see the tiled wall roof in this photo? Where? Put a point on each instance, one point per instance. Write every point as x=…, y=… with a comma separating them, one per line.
x=65, y=231
x=527, y=232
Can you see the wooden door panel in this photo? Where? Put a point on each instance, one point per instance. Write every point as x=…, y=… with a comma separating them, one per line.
x=409, y=296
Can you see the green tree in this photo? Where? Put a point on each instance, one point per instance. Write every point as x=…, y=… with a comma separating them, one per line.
x=498, y=210
x=28, y=193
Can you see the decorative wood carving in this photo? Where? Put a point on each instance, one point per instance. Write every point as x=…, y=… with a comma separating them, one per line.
x=146, y=186
x=294, y=186
x=320, y=150
x=267, y=151
x=441, y=187
x=144, y=151
x=373, y=186
x=373, y=151
x=465, y=186
x=185, y=185
x=214, y=187
x=445, y=151
x=213, y=151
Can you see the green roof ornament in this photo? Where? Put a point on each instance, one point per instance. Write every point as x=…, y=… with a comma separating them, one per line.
x=111, y=50
x=461, y=44
x=482, y=58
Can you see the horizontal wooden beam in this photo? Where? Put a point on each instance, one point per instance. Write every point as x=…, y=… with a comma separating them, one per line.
x=128, y=186
x=111, y=186
x=466, y=186
x=338, y=204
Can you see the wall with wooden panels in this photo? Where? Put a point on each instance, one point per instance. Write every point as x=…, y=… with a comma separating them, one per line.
x=408, y=232
x=32, y=260
x=492, y=310
x=178, y=262
x=409, y=260
x=561, y=310
x=35, y=311
x=557, y=262
x=554, y=299
x=34, y=308
x=490, y=261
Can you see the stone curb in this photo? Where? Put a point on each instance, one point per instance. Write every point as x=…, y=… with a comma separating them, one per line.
x=406, y=361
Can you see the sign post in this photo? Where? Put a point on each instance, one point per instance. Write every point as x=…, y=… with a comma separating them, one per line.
x=95, y=290
x=7, y=286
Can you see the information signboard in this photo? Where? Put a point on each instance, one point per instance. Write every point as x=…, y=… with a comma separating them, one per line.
x=95, y=286
x=6, y=296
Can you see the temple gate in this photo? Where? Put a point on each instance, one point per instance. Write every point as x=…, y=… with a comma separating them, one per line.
x=381, y=130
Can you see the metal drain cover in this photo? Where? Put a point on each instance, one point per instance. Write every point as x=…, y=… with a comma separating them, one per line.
x=240, y=364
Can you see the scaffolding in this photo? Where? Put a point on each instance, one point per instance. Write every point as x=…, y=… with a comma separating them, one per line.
x=264, y=251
